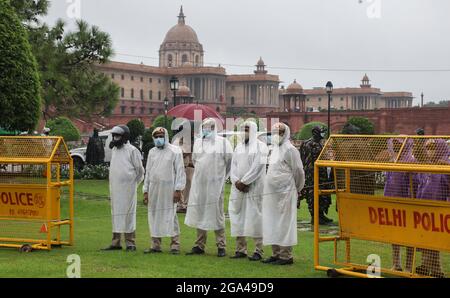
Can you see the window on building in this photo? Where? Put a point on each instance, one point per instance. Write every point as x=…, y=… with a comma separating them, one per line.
x=307, y=99
x=197, y=60
x=142, y=110
x=112, y=76
x=160, y=111
x=132, y=93
x=122, y=109
x=342, y=99
x=184, y=58
x=232, y=100
x=159, y=81
x=150, y=110
x=169, y=60
x=150, y=94
x=218, y=109
x=142, y=94
x=142, y=79
x=122, y=77
x=320, y=99
x=132, y=109
x=159, y=95
x=342, y=107
x=132, y=78
x=122, y=92
x=150, y=80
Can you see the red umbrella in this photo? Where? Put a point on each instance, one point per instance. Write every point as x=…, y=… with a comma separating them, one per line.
x=188, y=111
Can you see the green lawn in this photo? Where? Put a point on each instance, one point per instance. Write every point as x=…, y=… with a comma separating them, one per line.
x=93, y=231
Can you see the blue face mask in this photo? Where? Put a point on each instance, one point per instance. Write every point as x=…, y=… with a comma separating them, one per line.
x=206, y=133
x=159, y=142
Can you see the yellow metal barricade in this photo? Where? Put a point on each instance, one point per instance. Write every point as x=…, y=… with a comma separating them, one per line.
x=33, y=213
x=393, y=202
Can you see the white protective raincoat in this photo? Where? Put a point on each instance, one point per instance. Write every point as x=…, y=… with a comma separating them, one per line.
x=125, y=173
x=164, y=175
x=249, y=167
x=212, y=162
x=285, y=178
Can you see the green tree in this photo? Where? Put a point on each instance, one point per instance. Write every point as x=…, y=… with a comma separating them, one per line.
x=306, y=131
x=20, y=100
x=67, y=60
x=137, y=129
x=365, y=126
x=63, y=127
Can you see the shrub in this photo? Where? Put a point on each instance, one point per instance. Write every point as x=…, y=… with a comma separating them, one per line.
x=62, y=126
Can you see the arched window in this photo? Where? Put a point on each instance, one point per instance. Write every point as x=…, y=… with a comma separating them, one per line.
x=169, y=60
x=197, y=60
x=184, y=58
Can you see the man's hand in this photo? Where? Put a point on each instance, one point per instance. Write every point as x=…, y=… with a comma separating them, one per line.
x=146, y=199
x=242, y=187
x=177, y=196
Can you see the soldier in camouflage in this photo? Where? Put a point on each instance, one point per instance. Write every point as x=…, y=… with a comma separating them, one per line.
x=309, y=152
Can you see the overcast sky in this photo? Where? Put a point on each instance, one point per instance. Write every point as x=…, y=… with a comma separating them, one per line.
x=361, y=35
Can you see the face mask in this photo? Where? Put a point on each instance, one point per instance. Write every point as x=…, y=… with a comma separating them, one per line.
x=207, y=133
x=276, y=139
x=322, y=134
x=159, y=142
x=117, y=138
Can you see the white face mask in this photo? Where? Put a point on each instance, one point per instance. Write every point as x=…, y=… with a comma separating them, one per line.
x=276, y=139
x=322, y=134
x=117, y=138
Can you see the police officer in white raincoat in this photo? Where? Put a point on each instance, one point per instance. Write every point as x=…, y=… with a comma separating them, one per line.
x=125, y=173
x=284, y=180
x=164, y=181
x=212, y=161
x=248, y=171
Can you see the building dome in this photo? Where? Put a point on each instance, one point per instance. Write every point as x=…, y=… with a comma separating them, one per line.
x=260, y=62
x=294, y=88
x=180, y=45
x=181, y=33
x=184, y=91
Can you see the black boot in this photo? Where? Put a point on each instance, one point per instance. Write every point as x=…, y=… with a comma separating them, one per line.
x=111, y=248
x=196, y=251
x=238, y=255
x=221, y=252
x=255, y=257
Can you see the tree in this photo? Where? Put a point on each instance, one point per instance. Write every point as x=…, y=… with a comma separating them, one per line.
x=365, y=126
x=137, y=129
x=306, y=131
x=63, y=127
x=71, y=84
x=20, y=100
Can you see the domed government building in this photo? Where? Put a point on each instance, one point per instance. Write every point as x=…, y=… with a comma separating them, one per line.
x=143, y=88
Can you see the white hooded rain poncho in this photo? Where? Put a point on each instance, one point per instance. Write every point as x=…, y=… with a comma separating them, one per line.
x=285, y=178
x=164, y=175
x=249, y=167
x=212, y=161
x=125, y=173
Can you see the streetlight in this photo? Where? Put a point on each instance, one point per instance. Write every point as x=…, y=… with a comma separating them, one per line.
x=174, y=84
x=329, y=88
x=166, y=105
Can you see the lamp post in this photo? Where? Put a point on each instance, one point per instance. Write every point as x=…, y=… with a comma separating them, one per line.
x=166, y=106
x=174, y=84
x=329, y=88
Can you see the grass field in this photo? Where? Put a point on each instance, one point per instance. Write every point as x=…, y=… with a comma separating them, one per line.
x=93, y=231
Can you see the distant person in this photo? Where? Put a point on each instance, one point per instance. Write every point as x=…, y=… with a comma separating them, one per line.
x=434, y=187
x=309, y=152
x=95, y=151
x=125, y=173
x=164, y=181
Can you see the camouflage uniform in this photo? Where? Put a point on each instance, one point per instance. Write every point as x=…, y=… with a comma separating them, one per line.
x=309, y=152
